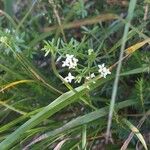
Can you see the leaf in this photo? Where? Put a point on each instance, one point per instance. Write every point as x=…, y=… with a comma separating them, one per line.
x=135, y=47
x=82, y=120
x=62, y=101
x=136, y=132
x=59, y=145
x=8, y=4
x=136, y=71
x=18, y=120
x=12, y=108
x=13, y=84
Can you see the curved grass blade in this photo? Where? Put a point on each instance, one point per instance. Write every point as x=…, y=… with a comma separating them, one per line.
x=136, y=132
x=12, y=108
x=127, y=141
x=9, y=18
x=82, y=120
x=136, y=71
x=13, y=84
x=131, y=8
x=61, y=102
x=18, y=120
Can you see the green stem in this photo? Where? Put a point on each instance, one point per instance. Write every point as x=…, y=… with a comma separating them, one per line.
x=115, y=85
x=84, y=137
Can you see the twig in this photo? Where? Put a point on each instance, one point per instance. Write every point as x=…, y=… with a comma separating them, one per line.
x=58, y=18
x=146, y=12
x=83, y=22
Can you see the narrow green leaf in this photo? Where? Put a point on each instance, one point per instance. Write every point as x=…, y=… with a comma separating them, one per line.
x=136, y=71
x=62, y=101
x=136, y=132
x=18, y=120
x=82, y=120
x=131, y=8
x=8, y=4
x=84, y=137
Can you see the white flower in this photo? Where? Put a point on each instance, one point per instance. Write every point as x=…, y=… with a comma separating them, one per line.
x=69, y=78
x=65, y=63
x=104, y=73
x=70, y=61
x=90, y=76
x=69, y=56
x=7, y=30
x=103, y=70
x=101, y=67
x=3, y=39
x=90, y=51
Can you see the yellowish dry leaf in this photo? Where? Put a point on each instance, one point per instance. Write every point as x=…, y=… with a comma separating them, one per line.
x=135, y=47
x=13, y=84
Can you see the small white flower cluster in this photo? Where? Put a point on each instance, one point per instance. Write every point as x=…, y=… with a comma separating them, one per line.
x=3, y=39
x=71, y=63
x=90, y=76
x=90, y=51
x=103, y=70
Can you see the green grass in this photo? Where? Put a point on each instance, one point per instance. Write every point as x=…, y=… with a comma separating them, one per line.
x=39, y=109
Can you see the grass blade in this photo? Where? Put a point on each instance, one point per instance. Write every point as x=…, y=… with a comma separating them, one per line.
x=115, y=86
x=62, y=101
x=136, y=132
x=12, y=108
x=13, y=84
x=83, y=120
x=84, y=137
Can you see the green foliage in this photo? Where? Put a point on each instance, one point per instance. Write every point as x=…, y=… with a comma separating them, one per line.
x=13, y=40
x=39, y=108
x=80, y=9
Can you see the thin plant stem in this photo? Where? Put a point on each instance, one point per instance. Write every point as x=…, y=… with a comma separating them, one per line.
x=26, y=16
x=132, y=5
x=58, y=18
x=9, y=18
x=84, y=137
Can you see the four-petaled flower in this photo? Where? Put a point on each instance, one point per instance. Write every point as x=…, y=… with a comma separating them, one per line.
x=70, y=61
x=103, y=70
x=69, y=78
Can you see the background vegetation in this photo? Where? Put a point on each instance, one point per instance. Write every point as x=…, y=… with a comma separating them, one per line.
x=38, y=110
